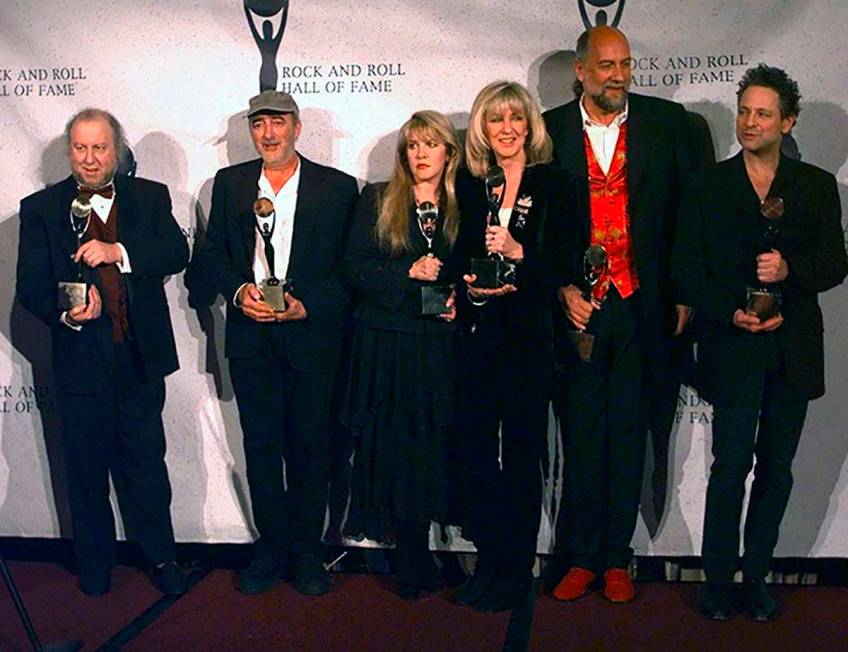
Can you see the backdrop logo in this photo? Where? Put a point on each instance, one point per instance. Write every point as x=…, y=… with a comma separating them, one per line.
x=602, y=13
x=267, y=21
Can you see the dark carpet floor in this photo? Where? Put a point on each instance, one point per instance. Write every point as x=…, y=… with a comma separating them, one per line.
x=363, y=613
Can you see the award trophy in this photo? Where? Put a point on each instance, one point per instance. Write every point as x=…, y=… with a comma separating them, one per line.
x=75, y=293
x=595, y=267
x=763, y=299
x=273, y=289
x=433, y=297
x=494, y=271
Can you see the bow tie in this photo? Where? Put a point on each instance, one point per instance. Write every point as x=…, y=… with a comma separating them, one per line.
x=106, y=191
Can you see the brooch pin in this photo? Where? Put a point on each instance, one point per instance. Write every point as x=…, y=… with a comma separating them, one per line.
x=522, y=207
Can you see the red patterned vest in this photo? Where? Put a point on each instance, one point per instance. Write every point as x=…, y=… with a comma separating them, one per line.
x=610, y=218
x=114, y=291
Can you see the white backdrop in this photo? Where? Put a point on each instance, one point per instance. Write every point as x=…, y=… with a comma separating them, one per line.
x=178, y=75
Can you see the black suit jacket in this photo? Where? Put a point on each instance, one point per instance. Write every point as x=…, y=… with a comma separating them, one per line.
x=156, y=248
x=326, y=199
x=659, y=154
x=718, y=239
x=544, y=216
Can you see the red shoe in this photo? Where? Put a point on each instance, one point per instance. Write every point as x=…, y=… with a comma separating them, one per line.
x=618, y=587
x=574, y=585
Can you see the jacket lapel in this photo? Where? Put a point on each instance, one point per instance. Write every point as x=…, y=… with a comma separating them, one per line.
x=127, y=205
x=66, y=191
x=638, y=144
x=572, y=155
x=246, y=195
x=305, y=222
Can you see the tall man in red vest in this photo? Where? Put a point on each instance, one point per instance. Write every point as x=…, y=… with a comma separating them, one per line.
x=111, y=355
x=629, y=153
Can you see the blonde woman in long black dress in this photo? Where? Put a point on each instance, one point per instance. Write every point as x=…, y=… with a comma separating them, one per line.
x=400, y=395
x=506, y=344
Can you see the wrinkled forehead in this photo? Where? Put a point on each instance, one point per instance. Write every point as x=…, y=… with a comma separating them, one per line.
x=90, y=130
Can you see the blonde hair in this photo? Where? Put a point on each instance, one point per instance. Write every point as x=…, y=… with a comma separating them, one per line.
x=392, y=227
x=478, y=152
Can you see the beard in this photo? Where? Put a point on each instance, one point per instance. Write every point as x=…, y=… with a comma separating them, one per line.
x=609, y=105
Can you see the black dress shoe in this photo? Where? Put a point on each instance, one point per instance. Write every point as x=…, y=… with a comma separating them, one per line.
x=310, y=576
x=759, y=604
x=262, y=574
x=716, y=601
x=169, y=578
x=95, y=584
x=504, y=595
x=473, y=589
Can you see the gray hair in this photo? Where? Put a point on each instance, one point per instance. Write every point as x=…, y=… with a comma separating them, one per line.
x=119, y=136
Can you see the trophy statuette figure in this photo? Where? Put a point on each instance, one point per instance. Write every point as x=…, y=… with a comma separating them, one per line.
x=70, y=294
x=764, y=299
x=434, y=297
x=494, y=271
x=272, y=288
x=595, y=268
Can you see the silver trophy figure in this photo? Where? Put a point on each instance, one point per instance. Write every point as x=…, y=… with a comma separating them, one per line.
x=273, y=289
x=70, y=294
x=595, y=270
x=764, y=299
x=494, y=271
x=434, y=297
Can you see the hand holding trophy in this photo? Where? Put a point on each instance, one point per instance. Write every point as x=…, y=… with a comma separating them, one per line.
x=273, y=289
x=595, y=269
x=763, y=299
x=75, y=293
x=433, y=297
x=494, y=271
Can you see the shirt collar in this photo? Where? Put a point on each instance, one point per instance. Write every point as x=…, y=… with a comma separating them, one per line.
x=289, y=188
x=586, y=121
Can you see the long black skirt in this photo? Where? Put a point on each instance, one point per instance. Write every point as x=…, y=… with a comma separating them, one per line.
x=399, y=405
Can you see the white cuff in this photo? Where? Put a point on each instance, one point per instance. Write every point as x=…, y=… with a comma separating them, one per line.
x=124, y=266
x=235, y=296
x=64, y=319
x=473, y=301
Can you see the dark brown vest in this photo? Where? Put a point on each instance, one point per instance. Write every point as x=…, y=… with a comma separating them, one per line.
x=111, y=281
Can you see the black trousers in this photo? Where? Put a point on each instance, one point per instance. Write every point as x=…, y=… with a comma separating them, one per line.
x=766, y=402
x=503, y=425
x=119, y=430
x=605, y=441
x=284, y=416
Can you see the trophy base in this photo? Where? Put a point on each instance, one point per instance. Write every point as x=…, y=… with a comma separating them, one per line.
x=584, y=344
x=765, y=304
x=492, y=273
x=434, y=299
x=274, y=294
x=70, y=294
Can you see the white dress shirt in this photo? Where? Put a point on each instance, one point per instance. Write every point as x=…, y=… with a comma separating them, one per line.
x=603, y=137
x=285, y=203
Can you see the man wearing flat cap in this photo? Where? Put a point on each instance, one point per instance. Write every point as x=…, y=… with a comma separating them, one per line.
x=275, y=234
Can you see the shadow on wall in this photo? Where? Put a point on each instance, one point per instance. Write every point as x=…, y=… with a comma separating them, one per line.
x=721, y=121
x=550, y=78
x=822, y=137
x=31, y=346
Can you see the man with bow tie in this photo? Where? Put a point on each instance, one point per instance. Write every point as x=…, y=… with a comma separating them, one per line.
x=111, y=354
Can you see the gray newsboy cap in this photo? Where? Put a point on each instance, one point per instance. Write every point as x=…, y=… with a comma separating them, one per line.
x=272, y=102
